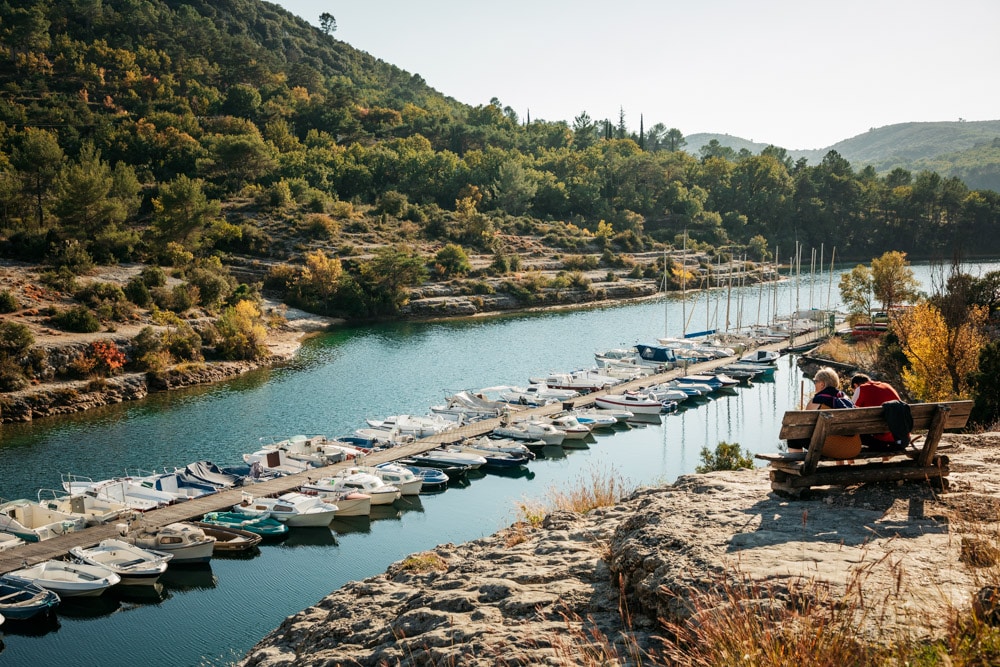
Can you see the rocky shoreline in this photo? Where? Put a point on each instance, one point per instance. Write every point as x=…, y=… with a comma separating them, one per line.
x=604, y=582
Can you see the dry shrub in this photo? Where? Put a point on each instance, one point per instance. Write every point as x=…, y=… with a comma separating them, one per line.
x=603, y=489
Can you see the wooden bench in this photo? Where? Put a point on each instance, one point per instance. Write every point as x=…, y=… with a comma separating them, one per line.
x=792, y=474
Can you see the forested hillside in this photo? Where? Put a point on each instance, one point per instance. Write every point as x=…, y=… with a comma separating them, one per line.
x=177, y=132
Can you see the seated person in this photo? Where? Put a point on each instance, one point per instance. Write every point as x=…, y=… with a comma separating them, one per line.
x=829, y=396
x=869, y=393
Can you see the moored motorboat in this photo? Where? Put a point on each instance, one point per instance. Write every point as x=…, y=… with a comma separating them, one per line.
x=210, y=473
x=31, y=522
x=449, y=457
x=68, y=579
x=433, y=479
x=126, y=490
x=293, y=509
x=454, y=472
x=348, y=502
x=187, y=542
x=134, y=565
x=230, y=540
x=594, y=418
x=9, y=541
x=394, y=475
x=529, y=430
x=276, y=461
x=636, y=403
x=94, y=510
x=264, y=526
x=571, y=426
x=366, y=483
x=506, y=445
x=21, y=600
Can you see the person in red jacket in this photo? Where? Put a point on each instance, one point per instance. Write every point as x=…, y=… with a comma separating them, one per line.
x=870, y=393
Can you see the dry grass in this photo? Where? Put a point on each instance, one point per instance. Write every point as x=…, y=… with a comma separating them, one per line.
x=861, y=353
x=427, y=561
x=601, y=489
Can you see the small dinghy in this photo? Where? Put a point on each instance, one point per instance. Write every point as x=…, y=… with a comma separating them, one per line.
x=264, y=526
x=230, y=540
x=68, y=579
x=135, y=566
x=21, y=600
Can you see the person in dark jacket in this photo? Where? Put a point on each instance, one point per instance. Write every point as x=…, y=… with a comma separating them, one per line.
x=828, y=396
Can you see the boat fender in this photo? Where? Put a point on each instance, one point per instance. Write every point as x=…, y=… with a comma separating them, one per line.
x=122, y=529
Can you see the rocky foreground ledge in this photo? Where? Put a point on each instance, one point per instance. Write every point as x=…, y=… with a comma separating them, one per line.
x=537, y=596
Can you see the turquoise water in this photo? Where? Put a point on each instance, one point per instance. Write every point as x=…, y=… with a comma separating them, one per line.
x=213, y=615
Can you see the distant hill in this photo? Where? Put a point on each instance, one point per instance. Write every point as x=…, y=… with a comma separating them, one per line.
x=955, y=148
x=696, y=141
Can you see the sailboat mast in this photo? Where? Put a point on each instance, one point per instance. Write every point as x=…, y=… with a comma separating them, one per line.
x=684, y=286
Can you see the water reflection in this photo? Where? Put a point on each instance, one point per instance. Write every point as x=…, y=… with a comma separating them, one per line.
x=351, y=524
x=154, y=594
x=644, y=420
x=310, y=537
x=551, y=452
x=409, y=504
x=189, y=577
x=32, y=627
x=90, y=606
x=385, y=513
x=519, y=472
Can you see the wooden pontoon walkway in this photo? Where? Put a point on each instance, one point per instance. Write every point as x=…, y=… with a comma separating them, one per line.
x=193, y=509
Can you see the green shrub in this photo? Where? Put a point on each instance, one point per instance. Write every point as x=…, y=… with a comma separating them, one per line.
x=61, y=280
x=726, y=457
x=153, y=276
x=137, y=292
x=78, y=319
x=71, y=255
x=15, y=339
x=8, y=302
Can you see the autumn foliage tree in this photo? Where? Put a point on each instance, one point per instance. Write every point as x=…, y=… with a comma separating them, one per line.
x=241, y=332
x=940, y=357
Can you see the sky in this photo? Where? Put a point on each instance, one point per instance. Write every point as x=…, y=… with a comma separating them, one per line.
x=800, y=74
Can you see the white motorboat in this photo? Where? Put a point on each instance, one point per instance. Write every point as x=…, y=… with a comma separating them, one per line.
x=348, y=501
x=470, y=407
x=484, y=443
x=94, y=510
x=414, y=425
x=579, y=380
x=126, y=490
x=186, y=542
x=370, y=485
x=276, y=461
x=531, y=430
x=536, y=394
x=300, y=448
x=68, y=579
x=294, y=509
x=636, y=403
x=173, y=483
x=394, y=475
x=31, y=522
x=668, y=392
x=761, y=357
x=596, y=419
x=450, y=457
x=380, y=437
x=9, y=541
x=571, y=426
x=134, y=565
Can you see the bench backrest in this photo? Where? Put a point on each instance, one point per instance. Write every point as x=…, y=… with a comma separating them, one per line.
x=850, y=421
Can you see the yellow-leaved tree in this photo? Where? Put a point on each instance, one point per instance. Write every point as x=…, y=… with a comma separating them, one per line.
x=241, y=332
x=940, y=357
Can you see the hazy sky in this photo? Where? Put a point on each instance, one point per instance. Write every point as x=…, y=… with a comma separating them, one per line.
x=801, y=74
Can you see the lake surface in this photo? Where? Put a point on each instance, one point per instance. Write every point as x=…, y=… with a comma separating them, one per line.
x=213, y=615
